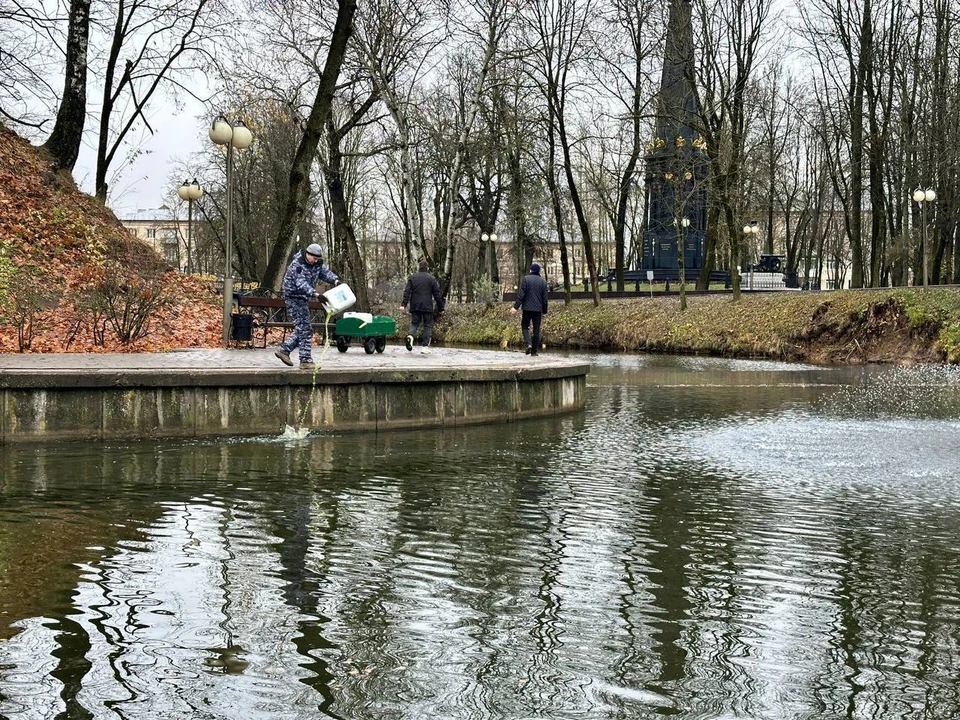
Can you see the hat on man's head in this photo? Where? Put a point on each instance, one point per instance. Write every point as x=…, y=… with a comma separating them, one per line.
x=535, y=269
x=315, y=250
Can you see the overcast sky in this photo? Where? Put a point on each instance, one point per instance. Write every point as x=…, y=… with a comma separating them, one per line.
x=150, y=181
x=178, y=127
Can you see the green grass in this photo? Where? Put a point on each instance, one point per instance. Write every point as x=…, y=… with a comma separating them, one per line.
x=889, y=325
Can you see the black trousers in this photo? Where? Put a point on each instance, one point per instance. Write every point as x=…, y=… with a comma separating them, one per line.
x=422, y=320
x=531, y=316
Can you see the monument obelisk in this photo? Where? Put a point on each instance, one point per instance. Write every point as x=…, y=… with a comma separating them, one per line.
x=676, y=161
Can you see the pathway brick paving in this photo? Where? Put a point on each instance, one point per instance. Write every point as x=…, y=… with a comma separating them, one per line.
x=394, y=357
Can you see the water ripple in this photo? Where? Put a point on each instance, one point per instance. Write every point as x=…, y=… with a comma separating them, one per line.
x=710, y=539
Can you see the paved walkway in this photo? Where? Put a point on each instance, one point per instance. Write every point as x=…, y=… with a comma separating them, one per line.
x=394, y=357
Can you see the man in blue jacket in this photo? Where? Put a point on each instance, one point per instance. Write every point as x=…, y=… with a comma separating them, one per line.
x=532, y=297
x=299, y=288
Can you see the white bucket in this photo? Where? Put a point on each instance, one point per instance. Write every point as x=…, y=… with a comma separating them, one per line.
x=338, y=298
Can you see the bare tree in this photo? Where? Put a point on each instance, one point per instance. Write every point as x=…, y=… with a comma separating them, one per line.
x=942, y=155
x=315, y=126
x=26, y=26
x=64, y=141
x=159, y=42
x=732, y=34
x=847, y=27
x=491, y=21
x=515, y=104
x=334, y=175
x=558, y=32
x=394, y=41
x=626, y=51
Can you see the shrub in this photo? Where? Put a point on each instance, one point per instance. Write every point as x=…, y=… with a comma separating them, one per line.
x=486, y=291
x=127, y=303
x=24, y=298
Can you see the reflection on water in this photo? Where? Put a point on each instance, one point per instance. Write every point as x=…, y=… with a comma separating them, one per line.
x=709, y=539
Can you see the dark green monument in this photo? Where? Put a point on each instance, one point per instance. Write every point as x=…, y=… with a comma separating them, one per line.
x=676, y=162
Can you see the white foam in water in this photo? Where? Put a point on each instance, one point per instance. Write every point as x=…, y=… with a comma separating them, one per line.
x=793, y=447
x=292, y=433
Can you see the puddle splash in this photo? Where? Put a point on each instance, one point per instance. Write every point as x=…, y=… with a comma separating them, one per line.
x=292, y=433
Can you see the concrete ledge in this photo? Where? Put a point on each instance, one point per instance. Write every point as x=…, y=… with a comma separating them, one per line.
x=44, y=398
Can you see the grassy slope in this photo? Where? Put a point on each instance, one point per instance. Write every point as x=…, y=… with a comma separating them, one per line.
x=894, y=325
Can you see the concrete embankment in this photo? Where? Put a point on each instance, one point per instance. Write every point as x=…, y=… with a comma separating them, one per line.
x=204, y=393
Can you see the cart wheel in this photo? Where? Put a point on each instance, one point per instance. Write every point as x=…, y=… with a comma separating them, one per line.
x=368, y=345
x=380, y=344
x=343, y=343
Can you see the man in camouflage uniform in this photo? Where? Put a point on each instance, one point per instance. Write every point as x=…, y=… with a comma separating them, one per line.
x=299, y=288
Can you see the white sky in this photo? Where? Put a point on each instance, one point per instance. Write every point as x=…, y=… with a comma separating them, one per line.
x=179, y=130
x=150, y=181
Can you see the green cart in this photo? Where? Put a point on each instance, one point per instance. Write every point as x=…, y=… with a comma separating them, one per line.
x=370, y=330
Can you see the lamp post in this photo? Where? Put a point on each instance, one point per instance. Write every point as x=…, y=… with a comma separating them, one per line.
x=223, y=132
x=750, y=231
x=922, y=197
x=489, y=241
x=190, y=192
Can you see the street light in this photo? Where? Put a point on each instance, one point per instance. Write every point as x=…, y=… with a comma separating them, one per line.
x=190, y=192
x=751, y=231
x=489, y=241
x=223, y=132
x=922, y=197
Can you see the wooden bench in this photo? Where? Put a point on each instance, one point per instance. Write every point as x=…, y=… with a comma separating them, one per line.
x=271, y=312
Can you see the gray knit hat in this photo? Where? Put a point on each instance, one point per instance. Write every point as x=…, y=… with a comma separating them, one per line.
x=315, y=250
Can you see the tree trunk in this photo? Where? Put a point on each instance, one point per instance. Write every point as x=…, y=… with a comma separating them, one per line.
x=709, y=246
x=551, y=176
x=856, y=146
x=557, y=116
x=299, y=192
x=106, y=108
x=626, y=179
x=64, y=141
x=456, y=173
x=342, y=225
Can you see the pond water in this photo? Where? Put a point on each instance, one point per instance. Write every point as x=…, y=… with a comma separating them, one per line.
x=708, y=539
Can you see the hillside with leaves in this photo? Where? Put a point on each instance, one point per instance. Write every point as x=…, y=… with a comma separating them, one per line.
x=72, y=279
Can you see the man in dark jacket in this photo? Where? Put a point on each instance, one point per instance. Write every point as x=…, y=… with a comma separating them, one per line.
x=418, y=297
x=532, y=297
x=299, y=288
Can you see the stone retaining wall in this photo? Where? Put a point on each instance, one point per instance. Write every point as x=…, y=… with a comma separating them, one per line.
x=88, y=405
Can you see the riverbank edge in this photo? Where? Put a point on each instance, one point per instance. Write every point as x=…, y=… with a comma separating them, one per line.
x=897, y=325
x=54, y=405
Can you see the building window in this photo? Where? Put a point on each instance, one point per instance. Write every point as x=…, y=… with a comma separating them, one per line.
x=151, y=234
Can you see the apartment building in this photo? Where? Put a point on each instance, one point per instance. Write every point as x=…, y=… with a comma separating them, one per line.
x=160, y=229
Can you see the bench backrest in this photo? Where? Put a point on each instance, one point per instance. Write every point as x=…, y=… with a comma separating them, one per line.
x=270, y=302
